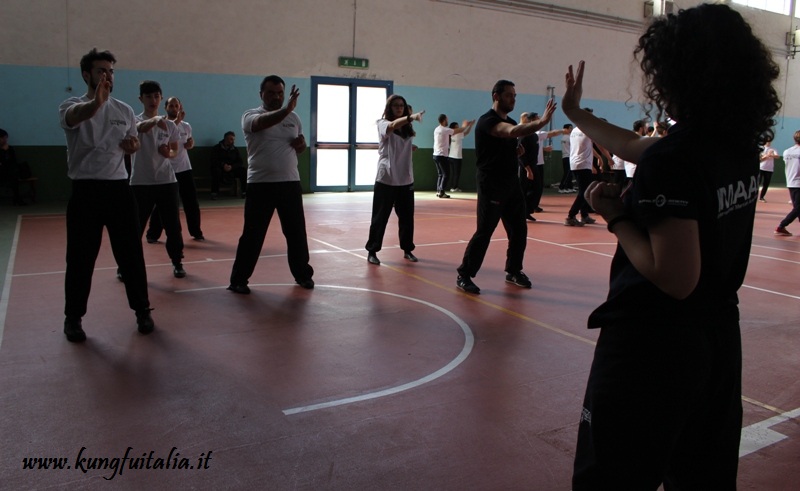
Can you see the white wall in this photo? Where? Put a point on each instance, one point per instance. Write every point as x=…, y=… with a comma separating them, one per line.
x=413, y=42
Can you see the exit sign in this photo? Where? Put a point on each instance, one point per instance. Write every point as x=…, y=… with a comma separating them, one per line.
x=346, y=62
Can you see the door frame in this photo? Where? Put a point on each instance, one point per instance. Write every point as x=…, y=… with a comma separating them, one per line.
x=351, y=145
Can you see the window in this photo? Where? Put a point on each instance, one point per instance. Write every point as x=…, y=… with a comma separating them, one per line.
x=779, y=6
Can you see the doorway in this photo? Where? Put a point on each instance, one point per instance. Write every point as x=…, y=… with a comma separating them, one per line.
x=344, y=137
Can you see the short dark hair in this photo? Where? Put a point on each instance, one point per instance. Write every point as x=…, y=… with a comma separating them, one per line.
x=273, y=79
x=638, y=124
x=442, y=118
x=500, y=86
x=87, y=61
x=149, y=87
x=231, y=133
x=797, y=137
x=568, y=125
x=3, y=133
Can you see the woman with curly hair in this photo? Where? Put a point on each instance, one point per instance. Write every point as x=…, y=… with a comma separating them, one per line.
x=663, y=400
x=394, y=184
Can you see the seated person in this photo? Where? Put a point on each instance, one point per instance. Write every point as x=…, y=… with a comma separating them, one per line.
x=226, y=164
x=9, y=168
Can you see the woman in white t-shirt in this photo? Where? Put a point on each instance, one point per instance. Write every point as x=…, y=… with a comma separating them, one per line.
x=394, y=184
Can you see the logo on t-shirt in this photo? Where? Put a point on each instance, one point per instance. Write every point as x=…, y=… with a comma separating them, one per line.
x=736, y=195
x=117, y=122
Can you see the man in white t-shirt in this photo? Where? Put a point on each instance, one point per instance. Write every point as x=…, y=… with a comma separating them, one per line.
x=441, y=152
x=100, y=131
x=565, y=186
x=274, y=137
x=580, y=163
x=183, y=173
x=791, y=158
x=152, y=177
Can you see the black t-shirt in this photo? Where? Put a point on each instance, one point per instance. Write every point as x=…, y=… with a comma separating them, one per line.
x=531, y=145
x=496, y=158
x=676, y=177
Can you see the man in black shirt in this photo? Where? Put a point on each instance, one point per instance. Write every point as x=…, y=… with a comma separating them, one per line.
x=499, y=193
x=227, y=163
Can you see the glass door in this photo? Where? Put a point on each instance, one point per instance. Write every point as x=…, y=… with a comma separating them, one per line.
x=344, y=138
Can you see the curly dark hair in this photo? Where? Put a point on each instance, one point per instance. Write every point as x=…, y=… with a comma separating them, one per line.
x=705, y=66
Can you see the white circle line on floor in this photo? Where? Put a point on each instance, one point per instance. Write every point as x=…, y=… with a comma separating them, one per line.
x=469, y=342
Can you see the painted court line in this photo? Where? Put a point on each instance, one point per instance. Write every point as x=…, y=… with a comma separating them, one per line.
x=761, y=435
x=12, y=255
x=469, y=342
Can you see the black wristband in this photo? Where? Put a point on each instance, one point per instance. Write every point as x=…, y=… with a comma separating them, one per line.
x=616, y=220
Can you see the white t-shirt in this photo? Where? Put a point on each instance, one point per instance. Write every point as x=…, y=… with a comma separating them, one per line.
x=441, y=141
x=270, y=157
x=394, y=157
x=542, y=135
x=181, y=161
x=93, y=150
x=792, y=159
x=564, y=146
x=580, y=152
x=456, y=143
x=767, y=164
x=150, y=167
x=630, y=167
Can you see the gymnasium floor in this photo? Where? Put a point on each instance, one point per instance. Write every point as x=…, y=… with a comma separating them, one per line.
x=382, y=377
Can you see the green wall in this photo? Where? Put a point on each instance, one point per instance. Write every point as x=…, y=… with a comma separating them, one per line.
x=49, y=164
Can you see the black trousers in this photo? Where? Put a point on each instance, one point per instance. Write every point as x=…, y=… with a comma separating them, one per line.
x=663, y=405
x=442, y=172
x=584, y=178
x=455, y=172
x=218, y=175
x=384, y=199
x=537, y=189
x=191, y=208
x=263, y=199
x=566, y=177
x=794, y=193
x=494, y=205
x=92, y=206
x=765, y=177
x=164, y=198
x=526, y=185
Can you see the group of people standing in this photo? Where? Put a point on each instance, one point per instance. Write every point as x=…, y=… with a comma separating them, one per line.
x=103, y=135
x=665, y=383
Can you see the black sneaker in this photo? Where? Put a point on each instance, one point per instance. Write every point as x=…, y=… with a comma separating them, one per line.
x=144, y=321
x=179, y=272
x=243, y=289
x=519, y=279
x=373, y=259
x=119, y=274
x=308, y=283
x=530, y=218
x=74, y=330
x=151, y=240
x=199, y=238
x=464, y=283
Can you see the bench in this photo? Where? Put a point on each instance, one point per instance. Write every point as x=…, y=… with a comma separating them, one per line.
x=203, y=185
